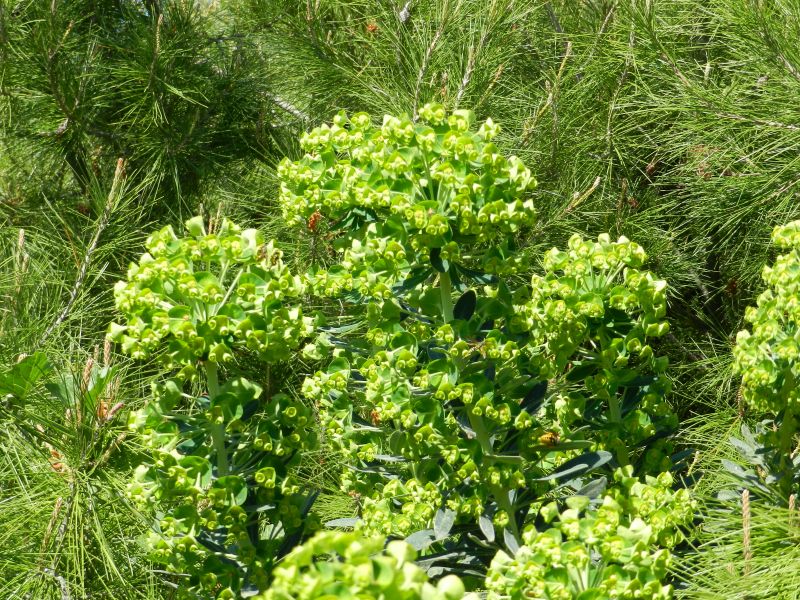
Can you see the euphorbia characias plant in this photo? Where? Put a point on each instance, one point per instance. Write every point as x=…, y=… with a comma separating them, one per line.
x=456, y=412
x=347, y=565
x=221, y=454
x=768, y=358
x=598, y=549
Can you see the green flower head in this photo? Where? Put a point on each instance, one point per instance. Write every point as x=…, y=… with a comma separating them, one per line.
x=767, y=355
x=205, y=294
x=405, y=190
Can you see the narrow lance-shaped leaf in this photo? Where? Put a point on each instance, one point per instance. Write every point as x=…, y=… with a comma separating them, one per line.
x=578, y=466
x=465, y=306
x=443, y=522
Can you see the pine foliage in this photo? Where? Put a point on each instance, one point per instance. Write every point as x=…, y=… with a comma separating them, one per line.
x=166, y=85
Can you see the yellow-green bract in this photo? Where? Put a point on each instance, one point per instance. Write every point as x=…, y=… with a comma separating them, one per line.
x=349, y=566
x=200, y=295
x=767, y=355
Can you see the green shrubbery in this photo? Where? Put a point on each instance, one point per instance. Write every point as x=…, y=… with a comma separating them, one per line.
x=767, y=358
x=465, y=406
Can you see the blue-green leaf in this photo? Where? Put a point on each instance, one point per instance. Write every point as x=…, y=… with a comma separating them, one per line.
x=578, y=466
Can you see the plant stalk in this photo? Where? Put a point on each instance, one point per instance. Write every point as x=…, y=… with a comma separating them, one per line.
x=217, y=429
x=501, y=495
x=614, y=412
x=615, y=416
x=786, y=432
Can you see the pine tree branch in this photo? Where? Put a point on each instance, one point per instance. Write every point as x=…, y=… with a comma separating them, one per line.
x=156, y=50
x=288, y=107
x=724, y=114
x=467, y=74
x=62, y=583
x=427, y=57
x=119, y=175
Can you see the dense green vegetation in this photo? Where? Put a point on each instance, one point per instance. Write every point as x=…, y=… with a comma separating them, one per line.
x=408, y=356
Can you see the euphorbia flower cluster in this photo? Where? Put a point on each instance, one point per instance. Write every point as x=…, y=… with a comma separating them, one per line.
x=457, y=402
x=203, y=294
x=598, y=549
x=409, y=189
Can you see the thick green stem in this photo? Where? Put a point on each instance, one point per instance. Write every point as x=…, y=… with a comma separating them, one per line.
x=479, y=427
x=501, y=495
x=212, y=379
x=217, y=429
x=614, y=412
x=621, y=451
x=786, y=433
x=476, y=421
x=446, y=289
x=503, y=502
x=615, y=417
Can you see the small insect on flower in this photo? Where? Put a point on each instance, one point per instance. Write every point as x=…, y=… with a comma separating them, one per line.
x=477, y=346
x=372, y=28
x=549, y=439
x=313, y=221
x=375, y=417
